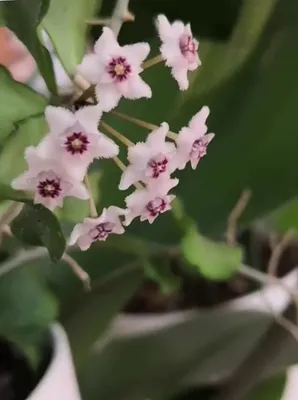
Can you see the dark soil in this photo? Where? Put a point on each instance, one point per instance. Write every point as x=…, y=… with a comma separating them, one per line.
x=17, y=378
x=198, y=292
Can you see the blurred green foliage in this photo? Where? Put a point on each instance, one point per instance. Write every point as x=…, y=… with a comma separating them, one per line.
x=248, y=79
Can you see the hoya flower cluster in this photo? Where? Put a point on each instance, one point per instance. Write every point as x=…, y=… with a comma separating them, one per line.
x=58, y=166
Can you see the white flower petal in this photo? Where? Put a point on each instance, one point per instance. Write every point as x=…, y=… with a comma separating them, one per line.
x=79, y=190
x=108, y=96
x=81, y=229
x=89, y=117
x=139, y=153
x=164, y=27
x=89, y=68
x=178, y=29
x=180, y=74
x=106, y=147
x=47, y=148
x=59, y=118
x=84, y=242
x=23, y=182
x=107, y=43
x=157, y=137
x=171, y=53
x=193, y=66
x=129, y=176
x=198, y=121
x=135, y=88
x=137, y=52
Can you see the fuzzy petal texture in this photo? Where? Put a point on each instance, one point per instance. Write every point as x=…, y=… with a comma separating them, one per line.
x=108, y=96
x=179, y=49
x=115, y=70
x=89, y=68
x=138, y=52
x=59, y=118
x=192, y=141
x=79, y=142
x=150, y=202
x=89, y=118
x=150, y=160
x=93, y=229
x=48, y=180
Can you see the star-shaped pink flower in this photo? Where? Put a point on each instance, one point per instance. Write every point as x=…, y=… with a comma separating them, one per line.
x=94, y=229
x=115, y=70
x=150, y=160
x=179, y=49
x=48, y=180
x=150, y=202
x=192, y=141
x=74, y=138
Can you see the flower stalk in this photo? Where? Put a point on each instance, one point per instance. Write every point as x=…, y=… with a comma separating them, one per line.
x=143, y=124
x=123, y=139
x=152, y=61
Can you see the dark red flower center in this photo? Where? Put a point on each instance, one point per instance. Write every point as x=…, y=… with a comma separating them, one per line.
x=156, y=206
x=49, y=188
x=76, y=143
x=158, y=165
x=188, y=47
x=102, y=231
x=119, y=69
x=199, y=148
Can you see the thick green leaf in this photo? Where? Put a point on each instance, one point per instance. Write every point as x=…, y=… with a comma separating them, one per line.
x=283, y=219
x=215, y=260
x=272, y=389
x=27, y=307
x=18, y=102
x=7, y=193
x=23, y=18
x=99, y=307
x=157, y=362
x=66, y=25
x=38, y=226
x=28, y=133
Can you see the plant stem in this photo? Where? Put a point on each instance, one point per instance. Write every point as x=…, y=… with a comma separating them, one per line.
x=152, y=61
x=77, y=270
x=92, y=206
x=21, y=258
x=119, y=163
x=143, y=124
x=118, y=15
x=117, y=134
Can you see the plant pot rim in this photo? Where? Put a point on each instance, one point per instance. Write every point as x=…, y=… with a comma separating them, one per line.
x=272, y=298
x=59, y=380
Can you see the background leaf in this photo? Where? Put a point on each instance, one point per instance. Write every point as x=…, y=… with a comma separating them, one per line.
x=66, y=25
x=18, y=102
x=28, y=133
x=271, y=389
x=23, y=18
x=27, y=308
x=36, y=225
x=215, y=260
